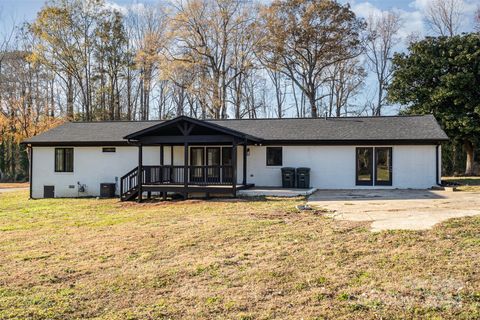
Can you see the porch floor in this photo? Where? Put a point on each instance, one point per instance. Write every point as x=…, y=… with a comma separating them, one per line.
x=193, y=188
x=168, y=185
x=275, y=192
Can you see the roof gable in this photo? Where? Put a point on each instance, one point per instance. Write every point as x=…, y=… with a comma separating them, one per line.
x=178, y=126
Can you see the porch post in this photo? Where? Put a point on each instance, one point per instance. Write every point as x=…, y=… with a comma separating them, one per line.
x=244, y=182
x=234, y=168
x=160, y=174
x=161, y=154
x=139, y=172
x=185, y=168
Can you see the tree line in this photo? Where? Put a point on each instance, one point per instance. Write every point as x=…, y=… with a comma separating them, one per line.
x=86, y=60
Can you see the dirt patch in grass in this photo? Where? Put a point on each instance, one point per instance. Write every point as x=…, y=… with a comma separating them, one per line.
x=10, y=185
x=261, y=259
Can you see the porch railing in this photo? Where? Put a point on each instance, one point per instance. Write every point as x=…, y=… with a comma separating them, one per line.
x=175, y=175
x=198, y=175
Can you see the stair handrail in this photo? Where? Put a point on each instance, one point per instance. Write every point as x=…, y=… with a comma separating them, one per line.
x=127, y=177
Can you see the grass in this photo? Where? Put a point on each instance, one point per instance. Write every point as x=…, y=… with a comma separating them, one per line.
x=471, y=184
x=9, y=185
x=261, y=259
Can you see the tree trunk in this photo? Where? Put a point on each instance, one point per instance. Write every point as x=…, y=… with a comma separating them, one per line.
x=470, y=158
x=217, y=105
x=129, y=95
x=142, y=95
x=70, y=114
x=313, y=105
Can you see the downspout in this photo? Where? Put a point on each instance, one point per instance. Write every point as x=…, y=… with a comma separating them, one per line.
x=437, y=165
x=30, y=178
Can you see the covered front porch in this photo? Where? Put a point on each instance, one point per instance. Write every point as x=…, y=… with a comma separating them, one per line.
x=195, y=157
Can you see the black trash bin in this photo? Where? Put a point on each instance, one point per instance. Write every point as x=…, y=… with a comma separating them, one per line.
x=107, y=190
x=303, y=178
x=288, y=177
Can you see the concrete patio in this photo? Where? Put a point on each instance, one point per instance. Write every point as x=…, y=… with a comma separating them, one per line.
x=275, y=192
x=397, y=209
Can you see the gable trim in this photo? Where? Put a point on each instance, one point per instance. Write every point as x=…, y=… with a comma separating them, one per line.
x=206, y=124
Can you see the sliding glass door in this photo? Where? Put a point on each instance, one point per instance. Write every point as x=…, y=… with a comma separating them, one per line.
x=374, y=166
x=364, y=170
x=227, y=171
x=383, y=166
x=213, y=163
x=197, y=161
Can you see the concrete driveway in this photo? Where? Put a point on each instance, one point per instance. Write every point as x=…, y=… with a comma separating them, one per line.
x=397, y=209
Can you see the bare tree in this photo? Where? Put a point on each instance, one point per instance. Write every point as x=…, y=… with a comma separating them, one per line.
x=345, y=81
x=382, y=33
x=67, y=33
x=5, y=38
x=477, y=20
x=303, y=38
x=445, y=16
x=280, y=88
x=206, y=34
x=147, y=29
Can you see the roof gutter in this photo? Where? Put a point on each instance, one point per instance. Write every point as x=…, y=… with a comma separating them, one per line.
x=131, y=141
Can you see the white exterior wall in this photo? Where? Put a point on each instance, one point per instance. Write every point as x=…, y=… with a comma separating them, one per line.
x=332, y=167
x=91, y=167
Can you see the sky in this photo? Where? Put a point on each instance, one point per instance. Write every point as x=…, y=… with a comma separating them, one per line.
x=412, y=11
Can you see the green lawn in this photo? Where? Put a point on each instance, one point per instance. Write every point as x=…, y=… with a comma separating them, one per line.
x=86, y=258
x=466, y=183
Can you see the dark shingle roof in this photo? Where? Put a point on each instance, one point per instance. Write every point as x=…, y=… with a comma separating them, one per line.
x=101, y=132
x=396, y=128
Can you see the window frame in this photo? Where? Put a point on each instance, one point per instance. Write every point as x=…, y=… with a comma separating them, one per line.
x=371, y=167
x=390, y=169
x=64, y=160
x=266, y=157
x=109, y=149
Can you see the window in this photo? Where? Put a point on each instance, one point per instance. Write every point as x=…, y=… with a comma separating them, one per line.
x=109, y=150
x=63, y=159
x=364, y=166
x=274, y=156
x=374, y=166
